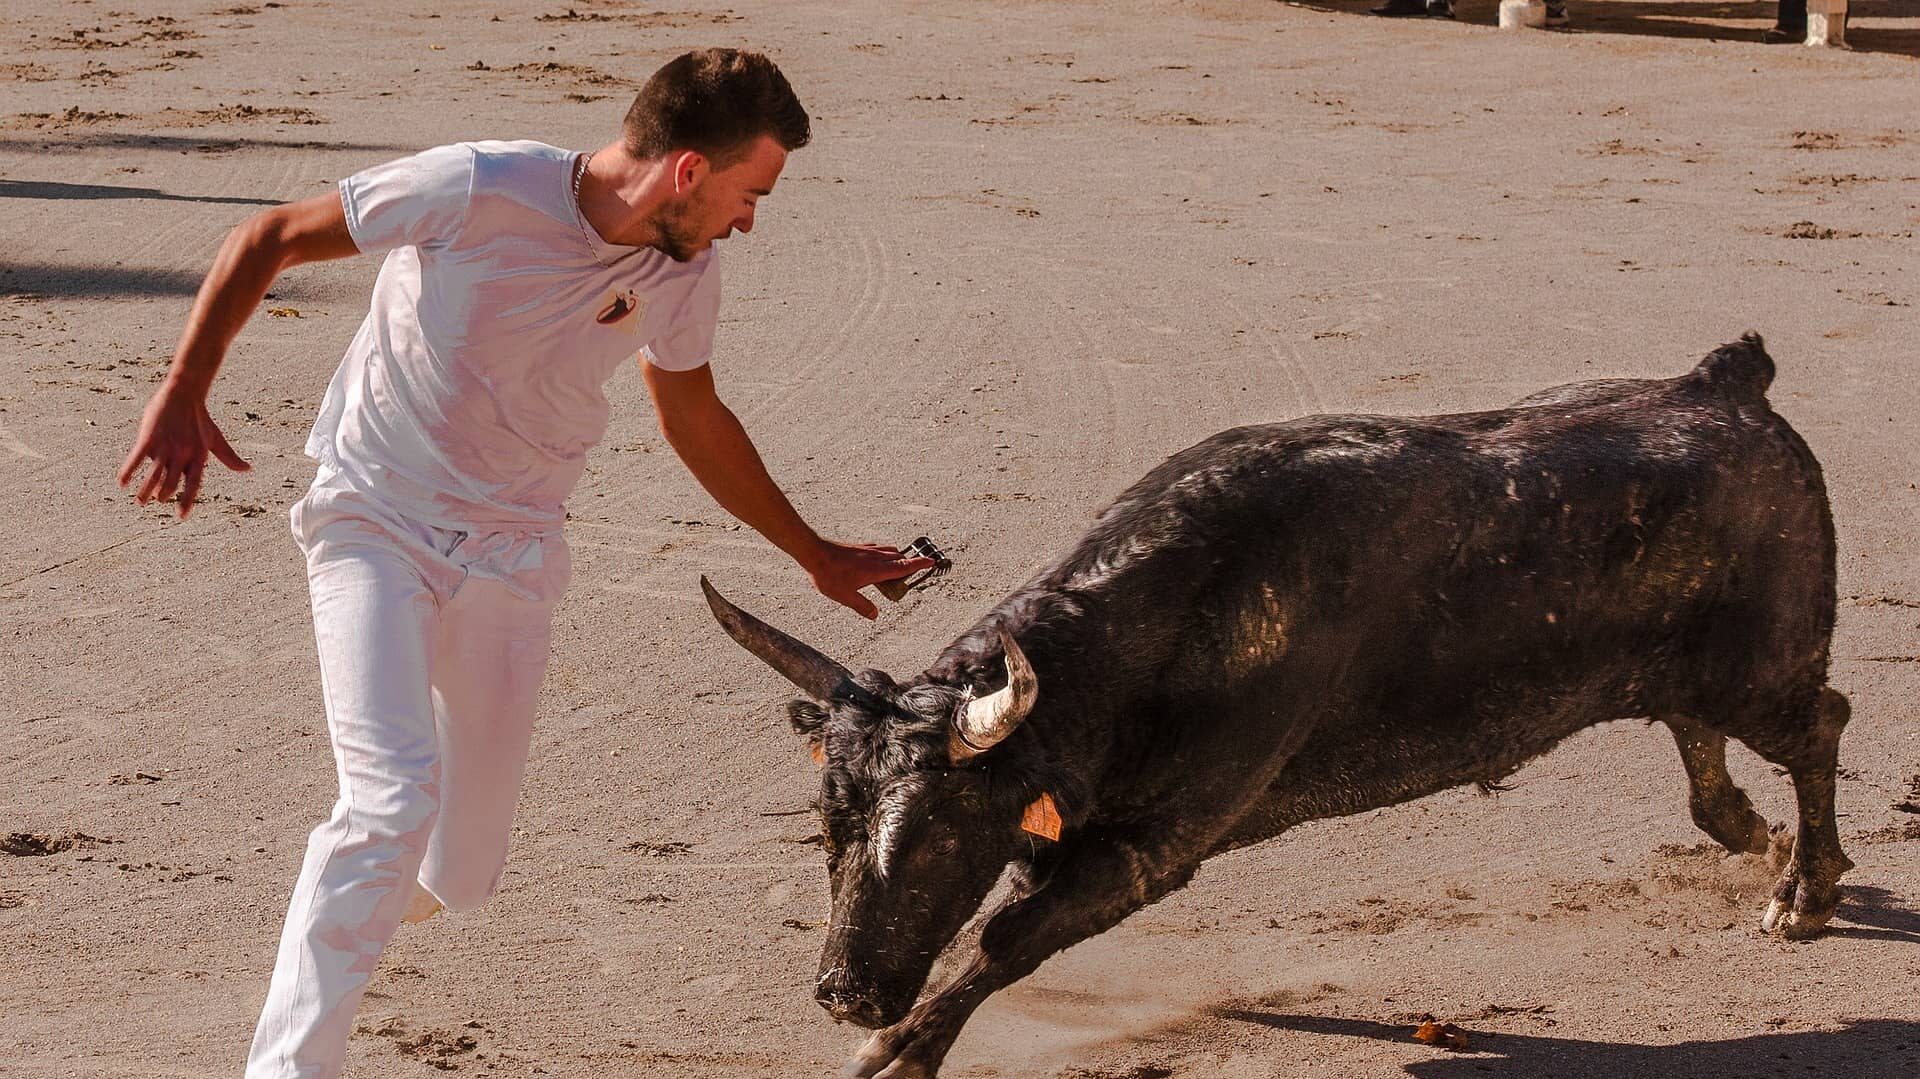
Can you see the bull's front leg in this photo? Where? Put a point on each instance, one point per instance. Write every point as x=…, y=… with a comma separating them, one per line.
x=1095, y=885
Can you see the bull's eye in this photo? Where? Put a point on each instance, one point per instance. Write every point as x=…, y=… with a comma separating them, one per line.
x=946, y=845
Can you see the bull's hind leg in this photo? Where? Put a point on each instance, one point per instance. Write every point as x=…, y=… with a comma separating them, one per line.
x=1719, y=806
x=1810, y=752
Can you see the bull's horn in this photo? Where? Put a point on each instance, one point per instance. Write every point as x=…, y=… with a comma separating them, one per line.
x=816, y=675
x=993, y=717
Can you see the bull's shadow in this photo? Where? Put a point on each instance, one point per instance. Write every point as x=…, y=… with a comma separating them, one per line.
x=1863, y=1049
x=1738, y=20
x=1873, y=914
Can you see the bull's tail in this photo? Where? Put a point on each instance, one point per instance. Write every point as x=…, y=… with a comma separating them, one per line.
x=1741, y=368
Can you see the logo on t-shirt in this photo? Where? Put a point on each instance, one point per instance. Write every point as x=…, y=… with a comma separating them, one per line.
x=621, y=305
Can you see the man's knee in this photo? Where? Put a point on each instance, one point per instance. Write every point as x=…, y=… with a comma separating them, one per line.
x=387, y=832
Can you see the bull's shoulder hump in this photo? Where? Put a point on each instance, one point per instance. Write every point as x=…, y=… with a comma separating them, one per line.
x=1601, y=391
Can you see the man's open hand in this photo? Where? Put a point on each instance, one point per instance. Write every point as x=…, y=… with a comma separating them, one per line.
x=177, y=434
x=841, y=570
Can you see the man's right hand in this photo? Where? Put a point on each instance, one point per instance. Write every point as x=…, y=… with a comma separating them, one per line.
x=176, y=434
x=841, y=570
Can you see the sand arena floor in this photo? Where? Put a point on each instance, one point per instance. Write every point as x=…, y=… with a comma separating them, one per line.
x=1035, y=248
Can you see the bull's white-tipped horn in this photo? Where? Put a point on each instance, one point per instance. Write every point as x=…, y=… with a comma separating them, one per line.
x=991, y=718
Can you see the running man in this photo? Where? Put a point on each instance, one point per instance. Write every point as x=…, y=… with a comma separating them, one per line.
x=518, y=277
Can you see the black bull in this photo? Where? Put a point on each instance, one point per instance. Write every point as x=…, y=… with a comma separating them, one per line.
x=1310, y=619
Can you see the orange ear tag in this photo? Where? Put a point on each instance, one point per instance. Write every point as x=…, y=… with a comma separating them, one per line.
x=1042, y=818
x=818, y=752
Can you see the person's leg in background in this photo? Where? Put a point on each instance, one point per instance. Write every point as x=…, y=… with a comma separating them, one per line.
x=489, y=662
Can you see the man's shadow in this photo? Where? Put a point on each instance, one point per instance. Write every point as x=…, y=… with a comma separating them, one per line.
x=1695, y=19
x=1863, y=1049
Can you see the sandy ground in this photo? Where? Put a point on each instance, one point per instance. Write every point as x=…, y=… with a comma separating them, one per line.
x=1035, y=248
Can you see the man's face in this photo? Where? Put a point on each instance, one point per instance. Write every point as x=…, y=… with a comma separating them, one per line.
x=721, y=202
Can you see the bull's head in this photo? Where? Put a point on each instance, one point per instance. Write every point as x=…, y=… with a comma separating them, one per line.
x=918, y=815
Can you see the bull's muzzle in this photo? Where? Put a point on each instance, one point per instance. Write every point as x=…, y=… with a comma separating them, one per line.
x=860, y=1011
x=852, y=1004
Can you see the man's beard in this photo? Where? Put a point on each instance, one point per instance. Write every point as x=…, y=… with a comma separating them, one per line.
x=674, y=238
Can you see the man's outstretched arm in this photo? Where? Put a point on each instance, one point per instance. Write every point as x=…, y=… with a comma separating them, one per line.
x=176, y=432
x=716, y=449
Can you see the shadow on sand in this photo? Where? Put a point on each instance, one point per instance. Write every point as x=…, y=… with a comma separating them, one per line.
x=45, y=280
x=49, y=189
x=81, y=141
x=1863, y=1049
x=1873, y=913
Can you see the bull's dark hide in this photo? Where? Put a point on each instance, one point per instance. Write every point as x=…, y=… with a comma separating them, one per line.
x=1315, y=618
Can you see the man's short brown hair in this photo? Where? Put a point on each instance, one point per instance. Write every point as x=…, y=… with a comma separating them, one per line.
x=716, y=101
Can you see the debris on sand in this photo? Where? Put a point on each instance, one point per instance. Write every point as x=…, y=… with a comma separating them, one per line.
x=1807, y=230
x=34, y=845
x=1911, y=803
x=436, y=1048
x=654, y=849
x=1444, y=1035
x=119, y=780
x=74, y=116
x=553, y=71
x=641, y=18
x=235, y=114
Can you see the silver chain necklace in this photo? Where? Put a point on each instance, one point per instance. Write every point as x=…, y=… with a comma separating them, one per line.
x=580, y=212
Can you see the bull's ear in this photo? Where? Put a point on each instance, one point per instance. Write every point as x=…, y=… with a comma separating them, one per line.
x=810, y=719
x=807, y=718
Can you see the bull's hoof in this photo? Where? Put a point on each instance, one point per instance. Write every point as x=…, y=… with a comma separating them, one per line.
x=880, y=1058
x=1800, y=909
x=1792, y=924
x=905, y=1050
x=872, y=1057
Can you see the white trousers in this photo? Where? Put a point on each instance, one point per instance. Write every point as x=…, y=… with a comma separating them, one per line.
x=433, y=643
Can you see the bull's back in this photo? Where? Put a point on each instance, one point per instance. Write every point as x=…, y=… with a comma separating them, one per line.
x=1469, y=590
x=1400, y=605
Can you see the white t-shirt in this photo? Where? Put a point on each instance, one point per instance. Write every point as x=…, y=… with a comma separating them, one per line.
x=475, y=387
